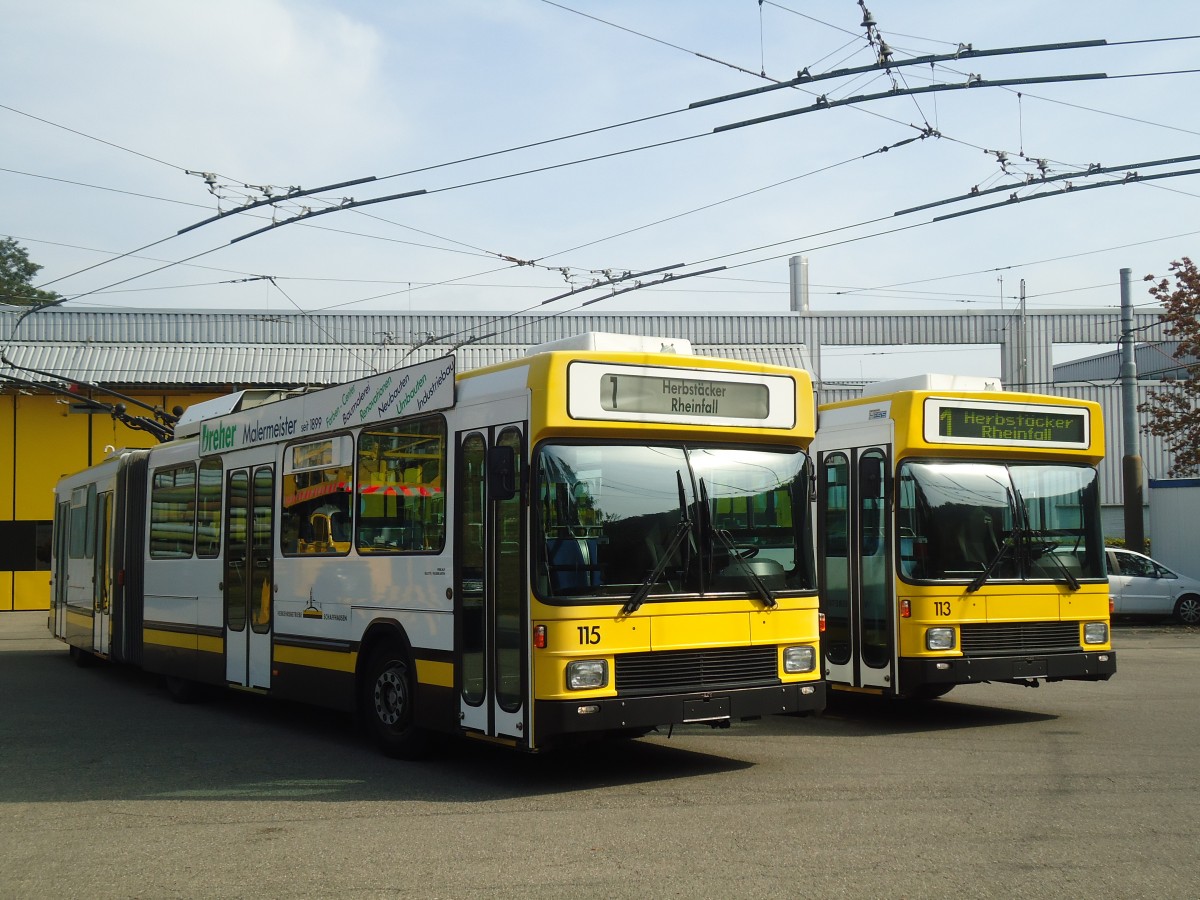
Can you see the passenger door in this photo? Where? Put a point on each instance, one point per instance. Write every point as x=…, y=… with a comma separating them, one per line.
x=248, y=584
x=854, y=558
x=102, y=574
x=62, y=531
x=491, y=596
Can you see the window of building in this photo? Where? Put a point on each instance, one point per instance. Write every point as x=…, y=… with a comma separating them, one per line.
x=25, y=546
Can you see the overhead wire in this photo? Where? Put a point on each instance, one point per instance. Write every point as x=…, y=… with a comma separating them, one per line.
x=312, y=320
x=511, y=175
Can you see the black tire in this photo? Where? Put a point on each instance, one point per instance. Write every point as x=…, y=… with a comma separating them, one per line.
x=184, y=691
x=83, y=658
x=387, y=704
x=1187, y=609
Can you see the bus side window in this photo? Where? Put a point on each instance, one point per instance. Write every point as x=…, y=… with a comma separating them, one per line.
x=401, y=505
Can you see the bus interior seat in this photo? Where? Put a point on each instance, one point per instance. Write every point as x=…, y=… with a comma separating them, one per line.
x=573, y=562
x=977, y=541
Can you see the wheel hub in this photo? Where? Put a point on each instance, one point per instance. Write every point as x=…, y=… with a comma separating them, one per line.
x=390, y=693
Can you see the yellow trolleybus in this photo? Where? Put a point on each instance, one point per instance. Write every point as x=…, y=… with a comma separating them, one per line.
x=959, y=538
x=608, y=535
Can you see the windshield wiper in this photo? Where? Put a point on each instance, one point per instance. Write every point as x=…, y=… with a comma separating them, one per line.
x=638, y=597
x=761, y=589
x=1072, y=581
x=1047, y=544
x=1005, y=547
x=1009, y=544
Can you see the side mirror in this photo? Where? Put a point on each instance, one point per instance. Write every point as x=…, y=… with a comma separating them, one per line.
x=502, y=473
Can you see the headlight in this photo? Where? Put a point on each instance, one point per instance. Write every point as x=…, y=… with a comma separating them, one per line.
x=939, y=639
x=587, y=674
x=798, y=660
x=1095, y=632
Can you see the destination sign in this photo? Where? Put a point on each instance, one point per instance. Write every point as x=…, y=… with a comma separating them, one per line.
x=662, y=394
x=684, y=396
x=424, y=387
x=1019, y=424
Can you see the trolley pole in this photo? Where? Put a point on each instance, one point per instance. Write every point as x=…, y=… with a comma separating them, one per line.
x=1131, y=462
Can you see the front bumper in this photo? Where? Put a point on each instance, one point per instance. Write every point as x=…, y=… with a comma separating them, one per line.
x=716, y=707
x=1085, y=665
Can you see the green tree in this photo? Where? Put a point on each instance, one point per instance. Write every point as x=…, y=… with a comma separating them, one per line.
x=1174, y=410
x=17, y=272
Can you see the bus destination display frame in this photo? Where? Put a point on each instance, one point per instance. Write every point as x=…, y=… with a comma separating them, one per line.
x=624, y=393
x=991, y=423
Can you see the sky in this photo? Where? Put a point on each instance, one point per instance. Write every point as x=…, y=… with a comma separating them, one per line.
x=547, y=146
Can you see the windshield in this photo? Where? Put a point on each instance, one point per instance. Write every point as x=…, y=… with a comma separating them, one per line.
x=964, y=520
x=615, y=520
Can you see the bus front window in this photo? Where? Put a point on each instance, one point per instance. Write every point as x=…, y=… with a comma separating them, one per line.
x=610, y=517
x=960, y=520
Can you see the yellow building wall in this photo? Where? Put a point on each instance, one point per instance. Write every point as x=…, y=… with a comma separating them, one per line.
x=41, y=440
x=7, y=482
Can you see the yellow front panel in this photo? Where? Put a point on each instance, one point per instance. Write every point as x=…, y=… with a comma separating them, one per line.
x=784, y=626
x=712, y=630
x=954, y=607
x=1086, y=604
x=588, y=637
x=568, y=639
x=1022, y=607
x=603, y=638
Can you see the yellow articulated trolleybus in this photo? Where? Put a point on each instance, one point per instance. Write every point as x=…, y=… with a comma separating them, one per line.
x=959, y=538
x=582, y=542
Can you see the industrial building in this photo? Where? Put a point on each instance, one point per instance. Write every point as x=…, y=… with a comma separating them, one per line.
x=58, y=360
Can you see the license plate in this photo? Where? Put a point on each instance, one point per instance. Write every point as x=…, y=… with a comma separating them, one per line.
x=1029, y=668
x=706, y=710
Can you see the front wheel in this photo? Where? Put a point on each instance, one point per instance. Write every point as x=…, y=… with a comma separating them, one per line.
x=1187, y=609
x=83, y=658
x=387, y=705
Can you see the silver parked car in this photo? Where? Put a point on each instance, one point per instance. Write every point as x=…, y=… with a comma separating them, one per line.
x=1142, y=586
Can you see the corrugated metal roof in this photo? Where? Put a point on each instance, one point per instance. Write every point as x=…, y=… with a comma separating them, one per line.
x=210, y=365
x=288, y=347
x=832, y=328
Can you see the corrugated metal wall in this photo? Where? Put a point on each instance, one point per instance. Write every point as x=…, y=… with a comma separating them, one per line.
x=244, y=348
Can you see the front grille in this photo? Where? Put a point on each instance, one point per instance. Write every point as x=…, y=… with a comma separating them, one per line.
x=1019, y=638
x=696, y=670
